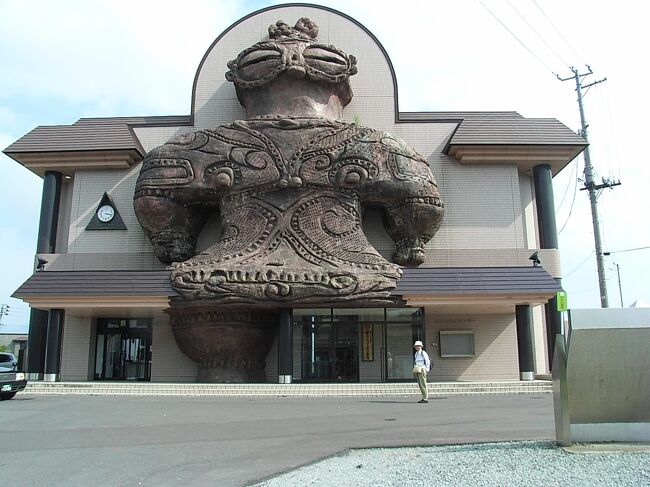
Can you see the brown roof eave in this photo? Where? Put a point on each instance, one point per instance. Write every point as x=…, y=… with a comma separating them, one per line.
x=138, y=149
x=578, y=148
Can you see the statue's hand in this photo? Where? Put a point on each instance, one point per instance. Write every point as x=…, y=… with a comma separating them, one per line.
x=173, y=246
x=412, y=224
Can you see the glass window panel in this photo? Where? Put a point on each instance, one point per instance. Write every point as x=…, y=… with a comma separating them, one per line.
x=311, y=315
x=456, y=343
x=113, y=357
x=322, y=333
x=399, y=350
x=346, y=335
x=111, y=323
x=139, y=323
x=359, y=314
x=99, y=356
x=404, y=314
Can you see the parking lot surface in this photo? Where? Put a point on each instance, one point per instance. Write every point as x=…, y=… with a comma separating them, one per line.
x=150, y=441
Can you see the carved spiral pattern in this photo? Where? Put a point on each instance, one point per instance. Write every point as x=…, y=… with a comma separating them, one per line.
x=289, y=193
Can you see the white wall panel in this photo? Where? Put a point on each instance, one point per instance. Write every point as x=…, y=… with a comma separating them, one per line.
x=271, y=369
x=495, y=342
x=75, y=352
x=168, y=363
x=63, y=224
x=151, y=137
x=539, y=340
x=528, y=211
x=89, y=188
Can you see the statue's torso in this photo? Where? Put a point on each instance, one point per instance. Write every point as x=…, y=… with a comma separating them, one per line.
x=289, y=193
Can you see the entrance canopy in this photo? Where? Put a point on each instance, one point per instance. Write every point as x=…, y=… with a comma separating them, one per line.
x=421, y=286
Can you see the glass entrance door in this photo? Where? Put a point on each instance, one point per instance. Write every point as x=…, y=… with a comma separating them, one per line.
x=330, y=350
x=345, y=348
x=123, y=350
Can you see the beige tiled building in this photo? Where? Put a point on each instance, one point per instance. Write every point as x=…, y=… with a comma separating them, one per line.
x=477, y=302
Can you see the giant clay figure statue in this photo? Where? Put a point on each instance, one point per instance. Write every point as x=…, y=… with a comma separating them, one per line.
x=290, y=184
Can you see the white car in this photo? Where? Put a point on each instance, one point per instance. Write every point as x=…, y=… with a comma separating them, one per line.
x=11, y=382
x=8, y=360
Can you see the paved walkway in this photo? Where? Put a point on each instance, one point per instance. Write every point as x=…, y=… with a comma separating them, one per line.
x=195, y=441
x=436, y=389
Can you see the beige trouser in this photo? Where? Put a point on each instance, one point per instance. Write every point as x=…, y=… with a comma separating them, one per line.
x=422, y=383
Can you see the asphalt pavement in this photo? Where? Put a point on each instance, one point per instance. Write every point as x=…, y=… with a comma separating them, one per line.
x=148, y=441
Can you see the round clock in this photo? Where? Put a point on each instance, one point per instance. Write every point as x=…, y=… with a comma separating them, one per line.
x=106, y=213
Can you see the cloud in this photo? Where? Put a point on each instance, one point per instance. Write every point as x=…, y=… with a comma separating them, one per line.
x=108, y=54
x=64, y=60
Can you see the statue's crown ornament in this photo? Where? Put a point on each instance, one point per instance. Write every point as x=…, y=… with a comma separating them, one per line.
x=305, y=29
x=296, y=52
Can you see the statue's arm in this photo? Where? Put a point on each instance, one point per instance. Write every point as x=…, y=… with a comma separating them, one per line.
x=411, y=222
x=170, y=219
x=408, y=193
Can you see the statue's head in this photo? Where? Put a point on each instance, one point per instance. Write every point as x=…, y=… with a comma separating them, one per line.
x=291, y=63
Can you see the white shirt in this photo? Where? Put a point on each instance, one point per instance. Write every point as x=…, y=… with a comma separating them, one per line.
x=422, y=358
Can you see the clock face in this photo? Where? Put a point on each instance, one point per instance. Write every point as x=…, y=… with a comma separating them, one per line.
x=106, y=213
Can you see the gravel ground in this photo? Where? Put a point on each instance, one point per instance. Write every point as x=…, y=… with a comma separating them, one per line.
x=490, y=464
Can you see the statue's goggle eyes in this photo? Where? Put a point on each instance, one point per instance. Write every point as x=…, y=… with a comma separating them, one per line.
x=322, y=62
x=256, y=57
x=261, y=64
x=324, y=55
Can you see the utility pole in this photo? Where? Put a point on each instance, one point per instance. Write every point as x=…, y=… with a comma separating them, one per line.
x=589, y=184
x=620, y=289
x=618, y=274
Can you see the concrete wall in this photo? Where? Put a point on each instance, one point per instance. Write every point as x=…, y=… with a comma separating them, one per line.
x=495, y=346
x=65, y=207
x=272, y=362
x=602, y=377
x=13, y=342
x=539, y=340
x=77, y=353
x=168, y=363
x=89, y=188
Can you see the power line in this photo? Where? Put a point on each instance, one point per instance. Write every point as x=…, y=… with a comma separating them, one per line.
x=579, y=266
x=558, y=31
x=566, y=190
x=568, y=186
x=582, y=290
x=628, y=250
x=537, y=33
x=575, y=192
x=513, y=35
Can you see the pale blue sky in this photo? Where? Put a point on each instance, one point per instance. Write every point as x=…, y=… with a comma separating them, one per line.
x=60, y=61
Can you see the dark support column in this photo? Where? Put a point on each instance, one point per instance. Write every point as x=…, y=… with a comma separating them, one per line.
x=53, y=347
x=35, y=366
x=49, y=212
x=285, y=349
x=46, y=243
x=553, y=326
x=542, y=178
x=543, y=181
x=525, y=342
